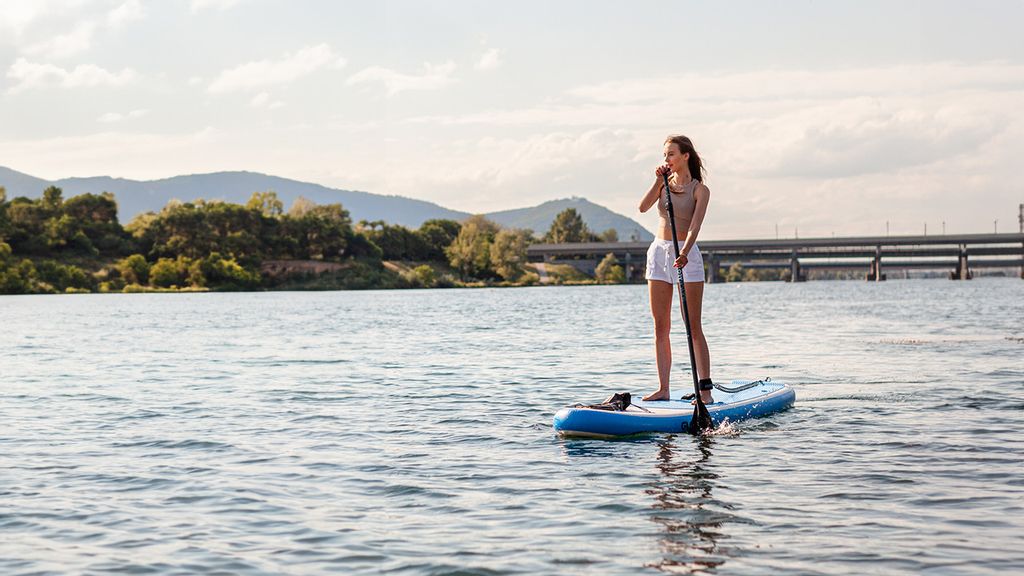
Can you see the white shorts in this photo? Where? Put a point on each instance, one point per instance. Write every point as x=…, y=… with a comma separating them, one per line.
x=661, y=263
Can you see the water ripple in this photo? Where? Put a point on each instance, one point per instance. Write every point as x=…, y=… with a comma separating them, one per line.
x=410, y=433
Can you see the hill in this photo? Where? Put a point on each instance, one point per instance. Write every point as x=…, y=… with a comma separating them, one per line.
x=137, y=196
x=598, y=218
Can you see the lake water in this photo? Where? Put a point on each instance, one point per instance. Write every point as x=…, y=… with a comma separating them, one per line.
x=409, y=432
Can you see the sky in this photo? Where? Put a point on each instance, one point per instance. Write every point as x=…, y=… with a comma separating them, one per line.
x=813, y=118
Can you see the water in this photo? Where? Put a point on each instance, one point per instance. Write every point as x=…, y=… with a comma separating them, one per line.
x=409, y=432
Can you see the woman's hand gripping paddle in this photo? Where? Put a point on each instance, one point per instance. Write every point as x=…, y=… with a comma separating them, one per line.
x=701, y=419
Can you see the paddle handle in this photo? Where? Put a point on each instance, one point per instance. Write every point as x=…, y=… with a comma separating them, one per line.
x=682, y=290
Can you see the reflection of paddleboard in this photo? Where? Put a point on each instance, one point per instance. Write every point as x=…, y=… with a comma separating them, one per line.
x=762, y=399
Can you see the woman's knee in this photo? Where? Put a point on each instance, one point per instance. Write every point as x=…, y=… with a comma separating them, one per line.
x=662, y=323
x=662, y=330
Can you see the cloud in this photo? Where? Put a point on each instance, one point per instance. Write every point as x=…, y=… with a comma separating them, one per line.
x=770, y=85
x=56, y=29
x=262, y=100
x=433, y=77
x=288, y=68
x=793, y=123
x=111, y=117
x=489, y=60
x=78, y=40
x=27, y=75
x=126, y=154
x=875, y=141
x=129, y=11
x=219, y=5
x=18, y=16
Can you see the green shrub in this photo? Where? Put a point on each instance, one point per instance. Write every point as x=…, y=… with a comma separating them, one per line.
x=134, y=269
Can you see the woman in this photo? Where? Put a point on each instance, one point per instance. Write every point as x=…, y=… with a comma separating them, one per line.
x=689, y=203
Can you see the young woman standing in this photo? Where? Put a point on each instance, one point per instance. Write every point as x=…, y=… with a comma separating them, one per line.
x=689, y=204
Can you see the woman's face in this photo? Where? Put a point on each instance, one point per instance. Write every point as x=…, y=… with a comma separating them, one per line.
x=675, y=159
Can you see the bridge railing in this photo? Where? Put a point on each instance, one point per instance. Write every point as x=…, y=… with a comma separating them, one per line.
x=953, y=251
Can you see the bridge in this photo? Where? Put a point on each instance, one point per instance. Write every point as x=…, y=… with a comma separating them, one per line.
x=957, y=253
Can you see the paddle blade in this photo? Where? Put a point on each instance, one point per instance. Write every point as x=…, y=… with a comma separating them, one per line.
x=701, y=420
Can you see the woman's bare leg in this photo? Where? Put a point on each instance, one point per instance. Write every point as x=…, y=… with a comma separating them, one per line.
x=694, y=301
x=661, y=310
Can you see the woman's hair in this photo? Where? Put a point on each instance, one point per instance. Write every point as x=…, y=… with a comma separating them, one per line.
x=685, y=145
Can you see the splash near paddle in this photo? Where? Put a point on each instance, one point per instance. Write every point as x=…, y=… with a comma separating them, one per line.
x=734, y=403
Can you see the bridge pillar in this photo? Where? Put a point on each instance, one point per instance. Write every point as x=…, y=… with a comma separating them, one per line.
x=794, y=269
x=714, y=275
x=628, y=267
x=875, y=270
x=963, y=271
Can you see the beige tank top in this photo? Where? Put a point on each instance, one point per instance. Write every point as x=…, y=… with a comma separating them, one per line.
x=684, y=202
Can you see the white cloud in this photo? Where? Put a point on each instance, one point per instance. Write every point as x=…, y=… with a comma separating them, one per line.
x=263, y=100
x=220, y=5
x=122, y=153
x=871, y=141
x=18, y=16
x=921, y=80
x=433, y=77
x=195, y=80
x=290, y=67
x=54, y=29
x=129, y=11
x=27, y=75
x=489, y=60
x=78, y=40
x=111, y=117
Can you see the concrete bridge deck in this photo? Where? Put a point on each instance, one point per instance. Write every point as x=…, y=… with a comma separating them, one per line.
x=957, y=252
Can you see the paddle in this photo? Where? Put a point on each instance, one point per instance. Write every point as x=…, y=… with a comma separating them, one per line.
x=701, y=419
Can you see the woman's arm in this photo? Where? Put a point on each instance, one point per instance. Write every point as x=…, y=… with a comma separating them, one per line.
x=703, y=195
x=651, y=197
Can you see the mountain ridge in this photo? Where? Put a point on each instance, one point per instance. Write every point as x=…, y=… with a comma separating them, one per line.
x=138, y=196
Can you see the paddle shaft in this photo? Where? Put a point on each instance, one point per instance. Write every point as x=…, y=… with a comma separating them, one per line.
x=682, y=293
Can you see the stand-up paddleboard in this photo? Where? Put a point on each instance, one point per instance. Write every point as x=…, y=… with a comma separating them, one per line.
x=752, y=400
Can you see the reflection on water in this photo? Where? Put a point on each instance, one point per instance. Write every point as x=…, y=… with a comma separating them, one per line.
x=684, y=507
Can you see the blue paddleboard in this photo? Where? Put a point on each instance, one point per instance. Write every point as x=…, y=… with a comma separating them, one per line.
x=674, y=415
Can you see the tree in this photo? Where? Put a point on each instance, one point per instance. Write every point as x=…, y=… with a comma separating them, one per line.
x=52, y=198
x=508, y=252
x=134, y=269
x=327, y=230
x=63, y=276
x=568, y=226
x=26, y=222
x=735, y=273
x=423, y=276
x=95, y=216
x=266, y=203
x=165, y=273
x=438, y=234
x=300, y=206
x=220, y=272
x=3, y=214
x=181, y=271
x=470, y=252
x=395, y=242
x=15, y=277
x=609, y=235
x=609, y=271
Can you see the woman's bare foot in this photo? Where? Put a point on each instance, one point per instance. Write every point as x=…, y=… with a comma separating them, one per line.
x=705, y=397
x=659, y=395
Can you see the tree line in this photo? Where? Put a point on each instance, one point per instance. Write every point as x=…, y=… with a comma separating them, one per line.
x=52, y=244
